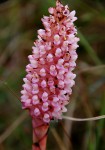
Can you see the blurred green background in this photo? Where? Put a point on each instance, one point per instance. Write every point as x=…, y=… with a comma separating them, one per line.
x=19, y=21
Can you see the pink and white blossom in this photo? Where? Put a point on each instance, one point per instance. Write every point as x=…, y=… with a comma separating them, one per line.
x=49, y=80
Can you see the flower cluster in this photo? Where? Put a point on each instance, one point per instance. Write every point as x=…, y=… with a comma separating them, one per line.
x=49, y=76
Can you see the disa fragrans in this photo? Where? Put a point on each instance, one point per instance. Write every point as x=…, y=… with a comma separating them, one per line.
x=49, y=76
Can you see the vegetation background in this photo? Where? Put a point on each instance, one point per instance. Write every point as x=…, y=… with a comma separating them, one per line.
x=19, y=21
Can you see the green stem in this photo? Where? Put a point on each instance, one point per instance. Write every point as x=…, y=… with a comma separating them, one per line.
x=89, y=49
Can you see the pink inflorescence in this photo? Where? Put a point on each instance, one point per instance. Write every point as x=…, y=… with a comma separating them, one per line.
x=49, y=76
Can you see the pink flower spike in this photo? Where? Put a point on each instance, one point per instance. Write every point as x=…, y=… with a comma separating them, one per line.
x=52, y=62
x=50, y=78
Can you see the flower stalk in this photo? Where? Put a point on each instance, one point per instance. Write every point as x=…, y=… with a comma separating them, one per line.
x=40, y=133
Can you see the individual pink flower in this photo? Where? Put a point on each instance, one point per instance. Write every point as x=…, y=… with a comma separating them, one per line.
x=50, y=74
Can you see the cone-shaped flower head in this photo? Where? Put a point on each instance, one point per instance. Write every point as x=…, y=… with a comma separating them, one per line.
x=49, y=76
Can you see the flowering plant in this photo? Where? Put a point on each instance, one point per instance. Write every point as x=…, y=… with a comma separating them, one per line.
x=50, y=74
